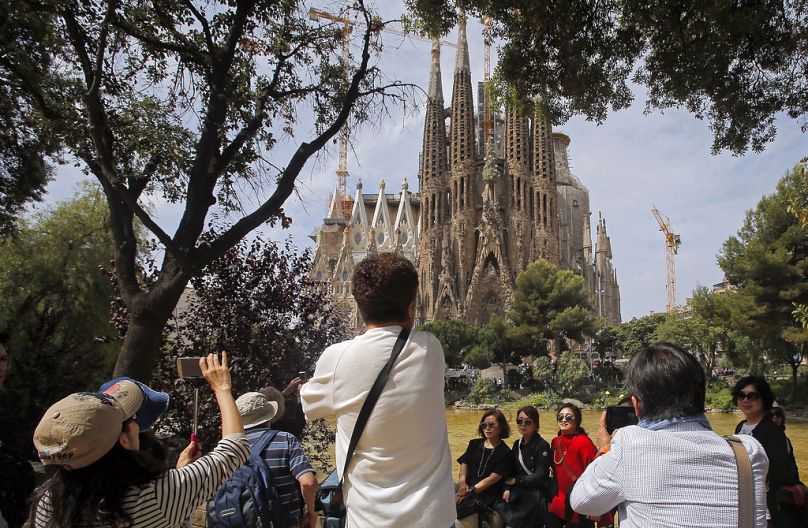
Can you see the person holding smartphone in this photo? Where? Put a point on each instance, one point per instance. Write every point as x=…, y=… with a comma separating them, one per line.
x=89, y=443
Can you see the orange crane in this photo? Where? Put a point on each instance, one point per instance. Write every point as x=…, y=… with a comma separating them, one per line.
x=672, y=243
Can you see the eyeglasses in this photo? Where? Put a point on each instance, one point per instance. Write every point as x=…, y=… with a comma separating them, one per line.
x=751, y=396
x=526, y=421
x=565, y=418
x=488, y=425
x=777, y=414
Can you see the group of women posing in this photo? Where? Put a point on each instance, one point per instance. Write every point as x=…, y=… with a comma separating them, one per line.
x=525, y=486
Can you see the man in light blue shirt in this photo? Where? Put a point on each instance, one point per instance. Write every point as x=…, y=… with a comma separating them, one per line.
x=670, y=470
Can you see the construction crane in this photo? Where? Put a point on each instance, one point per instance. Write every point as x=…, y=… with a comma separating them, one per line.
x=342, y=167
x=672, y=243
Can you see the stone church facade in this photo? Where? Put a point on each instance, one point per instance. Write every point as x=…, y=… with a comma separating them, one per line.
x=484, y=210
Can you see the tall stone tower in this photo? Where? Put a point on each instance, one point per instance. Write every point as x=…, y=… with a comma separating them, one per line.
x=489, y=203
x=494, y=216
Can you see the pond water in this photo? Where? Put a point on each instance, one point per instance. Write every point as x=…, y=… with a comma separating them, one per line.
x=463, y=426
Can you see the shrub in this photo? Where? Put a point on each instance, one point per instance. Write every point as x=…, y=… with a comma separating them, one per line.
x=485, y=391
x=720, y=398
x=540, y=400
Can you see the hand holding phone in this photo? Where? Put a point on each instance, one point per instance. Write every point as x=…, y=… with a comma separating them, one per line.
x=617, y=417
x=188, y=367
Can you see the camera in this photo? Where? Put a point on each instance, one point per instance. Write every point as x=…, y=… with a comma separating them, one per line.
x=617, y=417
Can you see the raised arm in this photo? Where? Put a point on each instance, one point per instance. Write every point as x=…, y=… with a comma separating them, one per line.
x=217, y=374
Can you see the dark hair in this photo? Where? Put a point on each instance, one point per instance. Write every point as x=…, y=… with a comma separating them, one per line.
x=779, y=411
x=575, y=412
x=667, y=381
x=94, y=494
x=384, y=285
x=761, y=385
x=4, y=336
x=531, y=413
x=504, y=428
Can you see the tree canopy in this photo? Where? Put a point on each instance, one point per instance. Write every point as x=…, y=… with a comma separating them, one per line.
x=767, y=261
x=456, y=337
x=550, y=304
x=737, y=64
x=56, y=310
x=186, y=102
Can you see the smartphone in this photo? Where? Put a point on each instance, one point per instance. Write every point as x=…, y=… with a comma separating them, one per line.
x=188, y=367
x=617, y=417
x=301, y=374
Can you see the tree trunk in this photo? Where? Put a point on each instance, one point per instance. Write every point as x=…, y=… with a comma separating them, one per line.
x=148, y=315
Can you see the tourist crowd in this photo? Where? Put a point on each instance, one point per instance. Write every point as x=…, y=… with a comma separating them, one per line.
x=384, y=388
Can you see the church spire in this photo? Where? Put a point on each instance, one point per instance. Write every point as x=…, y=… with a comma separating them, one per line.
x=462, y=127
x=543, y=155
x=434, y=146
x=517, y=145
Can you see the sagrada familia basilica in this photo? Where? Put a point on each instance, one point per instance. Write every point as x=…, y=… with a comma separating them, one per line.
x=488, y=204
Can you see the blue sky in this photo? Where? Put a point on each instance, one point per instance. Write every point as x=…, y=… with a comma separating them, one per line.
x=629, y=163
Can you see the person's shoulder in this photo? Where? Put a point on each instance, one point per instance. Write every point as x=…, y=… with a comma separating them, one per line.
x=425, y=339
x=582, y=440
x=475, y=442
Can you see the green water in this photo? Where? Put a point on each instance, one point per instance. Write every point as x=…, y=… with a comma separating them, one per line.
x=463, y=426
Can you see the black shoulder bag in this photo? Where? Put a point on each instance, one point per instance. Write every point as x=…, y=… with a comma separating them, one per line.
x=329, y=495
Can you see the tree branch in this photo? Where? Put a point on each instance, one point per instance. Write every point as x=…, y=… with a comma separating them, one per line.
x=205, y=26
x=102, y=46
x=286, y=183
x=189, y=53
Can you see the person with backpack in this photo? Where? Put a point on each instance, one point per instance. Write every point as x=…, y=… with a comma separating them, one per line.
x=271, y=484
x=89, y=443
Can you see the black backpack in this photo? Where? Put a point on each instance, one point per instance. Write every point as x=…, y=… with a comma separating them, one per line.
x=248, y=499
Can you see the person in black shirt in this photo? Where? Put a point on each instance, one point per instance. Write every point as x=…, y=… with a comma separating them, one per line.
x=484, y=466
x=524, y=502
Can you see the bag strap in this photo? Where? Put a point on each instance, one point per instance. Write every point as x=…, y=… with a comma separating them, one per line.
x=746, y=500
x=262, y=443
x=522, y=460
x=373, y=396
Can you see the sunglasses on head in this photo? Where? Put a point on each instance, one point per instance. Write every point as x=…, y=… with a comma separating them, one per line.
x=488, y=425
x=565, y=417
x=751, y=396
x=524, y=421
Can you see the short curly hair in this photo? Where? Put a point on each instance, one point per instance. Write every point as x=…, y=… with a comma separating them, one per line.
x=384, y=285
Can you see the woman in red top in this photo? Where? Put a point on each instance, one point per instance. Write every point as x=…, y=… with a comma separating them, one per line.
x=572, y=452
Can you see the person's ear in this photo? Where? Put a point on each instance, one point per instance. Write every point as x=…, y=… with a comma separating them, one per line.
x=123, y=439
x=636, y=404
x=411, y=311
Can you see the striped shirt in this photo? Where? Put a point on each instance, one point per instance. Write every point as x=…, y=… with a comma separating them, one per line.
x=287, y=463
x=170, y=498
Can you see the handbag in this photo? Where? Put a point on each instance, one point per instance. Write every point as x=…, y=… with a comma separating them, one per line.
x=329, y=499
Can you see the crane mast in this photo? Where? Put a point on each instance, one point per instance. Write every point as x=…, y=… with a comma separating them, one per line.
x=347, y=25
x=672, y=243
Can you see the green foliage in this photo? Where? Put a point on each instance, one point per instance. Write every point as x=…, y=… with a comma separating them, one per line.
x=479, y=357
x=798, y=206
x=56, y=310
x=738, y=64
x=456, y=337
x=540, y=400
x=550, y=304
x=571, y=372
x=719, y=397
x=484, y=391
x=767, y=261
x=543, y=372
x=258, y=303
x=703, y=330
x=183, y=102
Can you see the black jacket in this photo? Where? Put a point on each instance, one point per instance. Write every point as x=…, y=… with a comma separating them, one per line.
x=781, y=472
